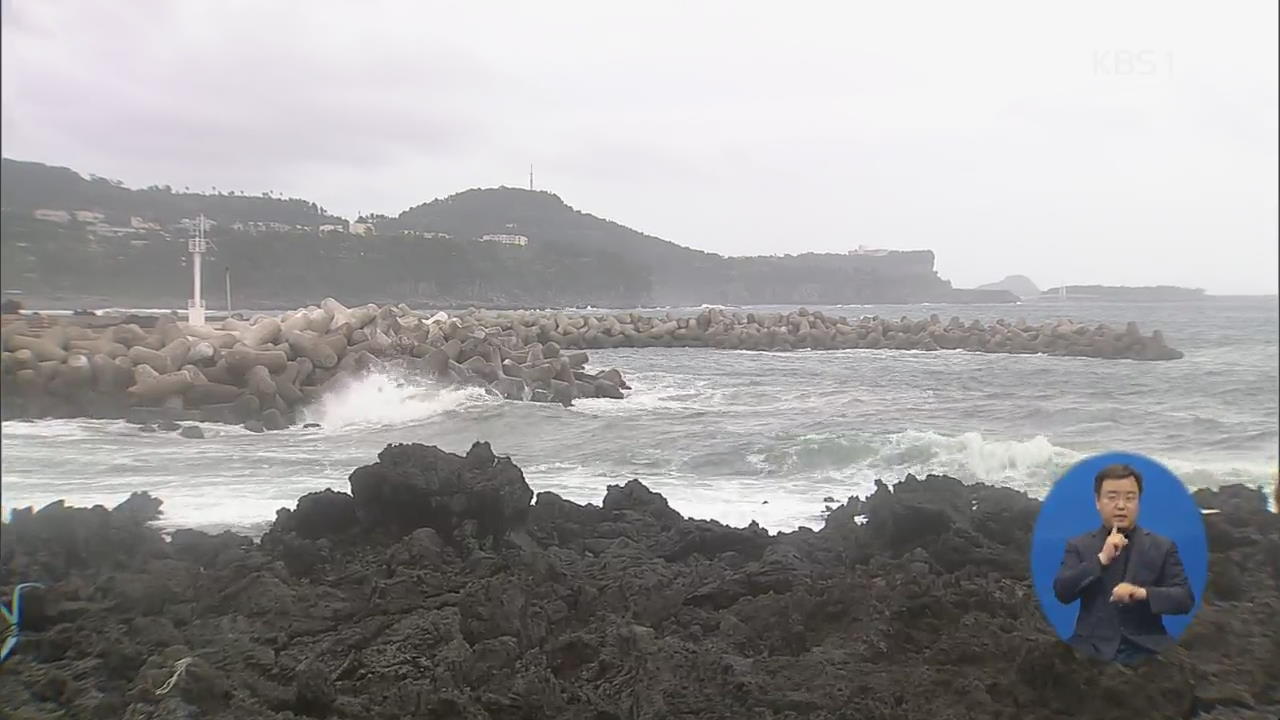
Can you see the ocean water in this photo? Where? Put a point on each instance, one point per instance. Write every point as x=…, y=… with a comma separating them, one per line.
x=736, y=435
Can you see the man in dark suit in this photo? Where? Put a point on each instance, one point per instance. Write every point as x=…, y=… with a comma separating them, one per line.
x=1124, y=576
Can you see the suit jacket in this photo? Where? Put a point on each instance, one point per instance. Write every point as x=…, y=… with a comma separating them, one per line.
x=1150, y=561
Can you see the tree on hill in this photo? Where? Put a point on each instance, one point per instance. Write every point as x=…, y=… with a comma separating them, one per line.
x=572, y=257
x=28, y=186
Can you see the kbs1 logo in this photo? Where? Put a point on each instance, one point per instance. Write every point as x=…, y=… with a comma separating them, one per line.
x=1122, y=63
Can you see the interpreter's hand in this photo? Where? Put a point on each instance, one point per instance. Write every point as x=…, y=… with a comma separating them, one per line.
x=1112, y=547
x=1126, y=593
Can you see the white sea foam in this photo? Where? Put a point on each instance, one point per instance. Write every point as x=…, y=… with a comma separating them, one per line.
x=719, y=433
x=236, y=479
x=385, y=399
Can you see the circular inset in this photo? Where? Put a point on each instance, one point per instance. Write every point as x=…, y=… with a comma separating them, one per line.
x=1119, y=558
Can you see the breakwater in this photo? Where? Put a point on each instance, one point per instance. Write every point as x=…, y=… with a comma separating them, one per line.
x=260, y=371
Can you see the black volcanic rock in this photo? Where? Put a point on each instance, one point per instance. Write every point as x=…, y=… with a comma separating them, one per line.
x=415, y=486
x=1235, y=499
x=319, y=514
x=436, y=590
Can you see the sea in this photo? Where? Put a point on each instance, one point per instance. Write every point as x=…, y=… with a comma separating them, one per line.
x=736, y=436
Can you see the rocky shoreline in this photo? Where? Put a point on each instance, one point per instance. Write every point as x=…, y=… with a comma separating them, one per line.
x=440, y=587
x=260, y=372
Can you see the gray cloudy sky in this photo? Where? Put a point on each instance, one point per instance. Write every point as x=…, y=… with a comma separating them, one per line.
x=1123, y=143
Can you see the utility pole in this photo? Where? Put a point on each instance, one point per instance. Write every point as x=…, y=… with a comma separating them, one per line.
x=530, y=176
x=228, y=276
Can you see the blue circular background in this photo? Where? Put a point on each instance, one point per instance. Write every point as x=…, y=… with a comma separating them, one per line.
x=1166, y=508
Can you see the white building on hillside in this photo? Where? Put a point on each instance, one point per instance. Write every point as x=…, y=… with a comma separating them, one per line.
x=108, y=231
x=58, y=216
x=89, y=216
x=360, y=228
x=520, y=240
x=864, y=250
x=192, y=224
x=255, y=227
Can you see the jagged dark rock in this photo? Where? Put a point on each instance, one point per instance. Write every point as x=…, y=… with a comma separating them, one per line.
x=319, y=514
x=434, y=589
x=414, y=486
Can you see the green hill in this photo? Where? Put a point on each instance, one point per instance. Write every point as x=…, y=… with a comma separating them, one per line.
x=679, y=275
x=429, y=254
x=28, y=186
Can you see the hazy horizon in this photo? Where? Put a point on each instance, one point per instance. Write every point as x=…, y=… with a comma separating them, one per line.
x=1095, y=144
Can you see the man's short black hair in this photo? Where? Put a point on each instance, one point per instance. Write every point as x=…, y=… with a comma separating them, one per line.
x=1115, y=472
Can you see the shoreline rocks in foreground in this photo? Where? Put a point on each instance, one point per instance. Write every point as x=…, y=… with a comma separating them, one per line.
x=265, y=369
x=441, y=587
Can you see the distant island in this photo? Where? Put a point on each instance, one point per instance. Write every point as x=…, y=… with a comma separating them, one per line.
x=1019, y=285
x=1150, y=293
x=72, y=241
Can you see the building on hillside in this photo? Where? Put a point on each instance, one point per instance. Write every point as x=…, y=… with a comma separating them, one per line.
x=89, y=217
x=331, y=228
x=193, y=224
x=253, y=228
x=520, y=240
x=361, y=228
x=138, y=223
x=58, y=216
x=426, y=234
x=107, y=231
x=864, y=250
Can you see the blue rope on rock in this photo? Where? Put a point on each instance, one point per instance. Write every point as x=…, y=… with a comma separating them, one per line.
x=12, y=617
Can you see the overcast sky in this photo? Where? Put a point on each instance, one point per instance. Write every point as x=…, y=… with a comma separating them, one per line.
x=1120, y=143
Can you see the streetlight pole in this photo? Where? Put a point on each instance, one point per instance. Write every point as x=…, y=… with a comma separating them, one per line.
x=197, y=247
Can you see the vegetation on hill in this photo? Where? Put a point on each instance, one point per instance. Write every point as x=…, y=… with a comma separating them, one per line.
x=28, y=186
x=429, y=254
x=680, y=275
